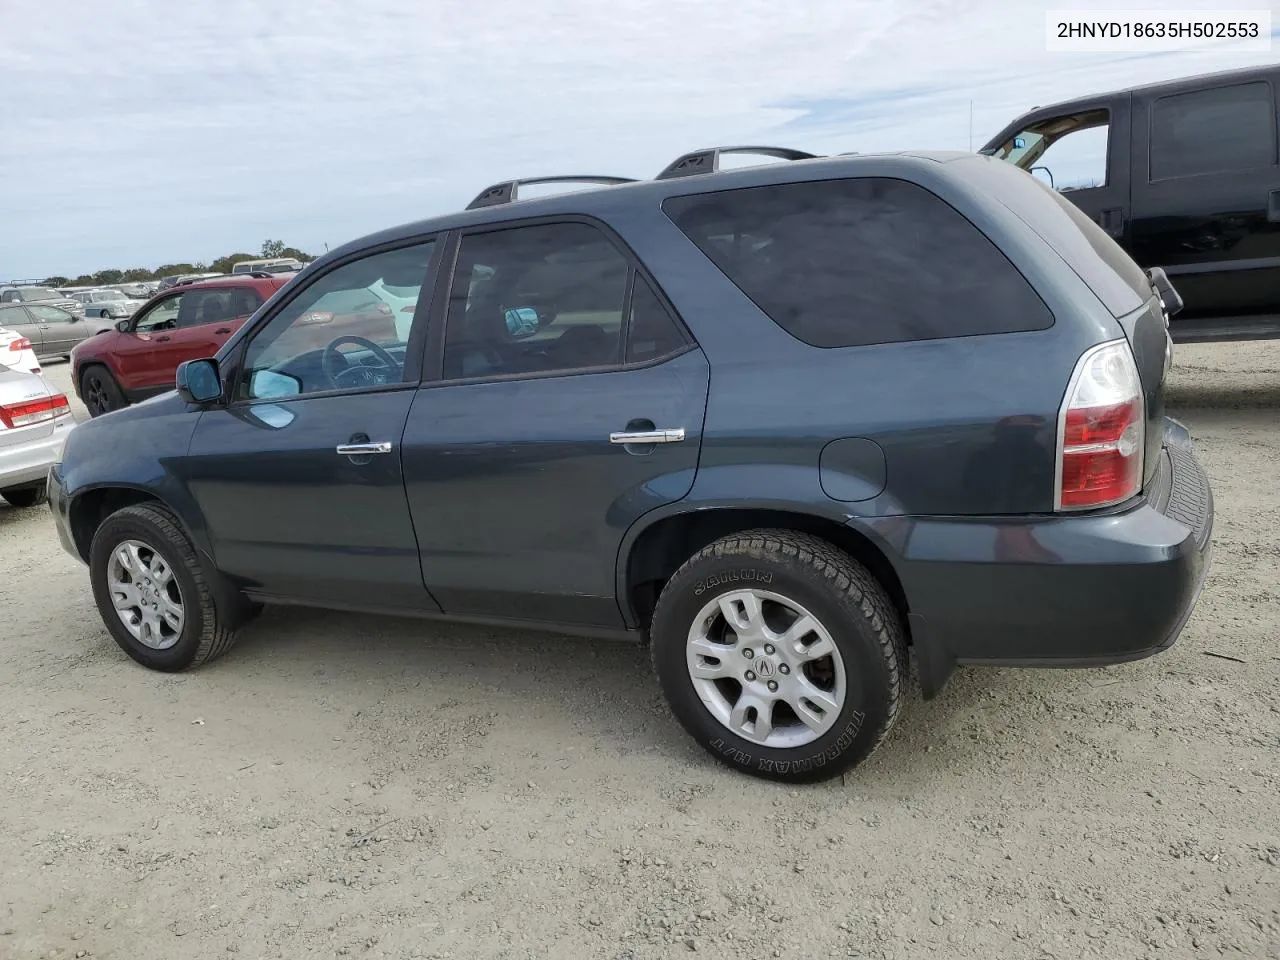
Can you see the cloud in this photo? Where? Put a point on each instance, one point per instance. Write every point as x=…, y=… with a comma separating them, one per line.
x=144, y=131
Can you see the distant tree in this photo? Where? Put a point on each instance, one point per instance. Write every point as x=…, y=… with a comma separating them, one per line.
x=296, y=254
x=84, y=280
x=224, y=264
x=105, y=278
x=57, y=281
x=137, y=273
x=169, y=269
x=272, y=248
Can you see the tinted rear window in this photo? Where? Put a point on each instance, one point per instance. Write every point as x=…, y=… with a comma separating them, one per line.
x=1096, y=258
x=851, y=262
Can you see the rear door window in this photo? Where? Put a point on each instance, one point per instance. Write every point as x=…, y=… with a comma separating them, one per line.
x=851, y=262
x=1219, y=130
x=533, y=300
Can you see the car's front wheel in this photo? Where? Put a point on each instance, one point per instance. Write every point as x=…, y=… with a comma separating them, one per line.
x=99, y=390
x=152, y=591
x=780, y=654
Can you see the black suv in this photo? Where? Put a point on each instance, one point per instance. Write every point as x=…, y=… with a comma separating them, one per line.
x=785, y=423
x=1184, y=175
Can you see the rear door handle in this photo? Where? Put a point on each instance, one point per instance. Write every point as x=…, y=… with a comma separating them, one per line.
x=648, y=436
x=363, y=449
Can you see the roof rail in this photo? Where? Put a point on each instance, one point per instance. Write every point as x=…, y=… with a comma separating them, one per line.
x=507, y=191
x=708, y=159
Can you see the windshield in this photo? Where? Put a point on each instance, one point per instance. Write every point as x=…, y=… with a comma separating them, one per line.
x=40, y=293
x=100, y=295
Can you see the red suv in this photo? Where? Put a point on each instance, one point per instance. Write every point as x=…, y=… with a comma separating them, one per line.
x=140, y=357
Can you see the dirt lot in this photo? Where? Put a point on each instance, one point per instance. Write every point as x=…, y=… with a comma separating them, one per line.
x=355, y=786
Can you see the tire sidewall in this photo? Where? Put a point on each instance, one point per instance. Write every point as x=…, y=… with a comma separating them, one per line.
x=868, y=700
x=133, y=526
x=110, y=392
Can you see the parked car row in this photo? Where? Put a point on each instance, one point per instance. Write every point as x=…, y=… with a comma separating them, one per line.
x=42, y=296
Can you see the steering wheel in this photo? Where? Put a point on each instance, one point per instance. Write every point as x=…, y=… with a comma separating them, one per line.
x=360, y=375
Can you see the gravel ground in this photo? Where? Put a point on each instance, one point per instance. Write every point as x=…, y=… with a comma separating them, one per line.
x=357, y=786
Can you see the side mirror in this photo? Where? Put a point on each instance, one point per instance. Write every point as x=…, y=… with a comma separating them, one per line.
x=198, y=381
x=1170, y=297
x=1047, y=172
x=123, y=325
x=523, y=322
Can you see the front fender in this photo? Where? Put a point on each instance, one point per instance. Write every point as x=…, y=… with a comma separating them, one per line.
x=135, y=448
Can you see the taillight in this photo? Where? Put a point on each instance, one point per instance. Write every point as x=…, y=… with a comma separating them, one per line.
x=22, y=343
x=27, y=412
x=1101, y=430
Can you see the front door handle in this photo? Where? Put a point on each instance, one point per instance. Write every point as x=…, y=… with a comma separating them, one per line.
x=162, y=339
x=648, y=436
x=223, y=330
x=363, y=449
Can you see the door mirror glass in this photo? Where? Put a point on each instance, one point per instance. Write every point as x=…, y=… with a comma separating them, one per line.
x=522, y=322
x=198, y=381
x=1044, y=175
x=269, y=384
x=123, y=325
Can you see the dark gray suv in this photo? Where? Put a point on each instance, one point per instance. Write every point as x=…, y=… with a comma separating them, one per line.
x=787, y=424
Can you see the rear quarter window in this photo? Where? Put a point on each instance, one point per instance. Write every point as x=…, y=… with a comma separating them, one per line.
x=1113, y=276
x=860, y=261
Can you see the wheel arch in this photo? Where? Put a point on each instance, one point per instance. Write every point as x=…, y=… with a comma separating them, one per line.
x=652, y=553
x=89, y=508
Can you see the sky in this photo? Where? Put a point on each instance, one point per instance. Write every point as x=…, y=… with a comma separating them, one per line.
x=142, y=132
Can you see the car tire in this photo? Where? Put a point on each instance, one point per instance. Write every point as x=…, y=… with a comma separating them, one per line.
x=123, y=567
x=824, y=715
x=99, y=390
x=23, y=497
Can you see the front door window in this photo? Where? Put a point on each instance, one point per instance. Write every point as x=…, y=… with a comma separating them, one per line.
x=163, y=316
x=347, y=330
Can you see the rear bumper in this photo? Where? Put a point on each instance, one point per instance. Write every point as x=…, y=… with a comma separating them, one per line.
x=1061, y=591
x=28, y=463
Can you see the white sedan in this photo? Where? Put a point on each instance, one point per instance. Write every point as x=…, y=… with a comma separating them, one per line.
x=17, y=352
x=35, y=419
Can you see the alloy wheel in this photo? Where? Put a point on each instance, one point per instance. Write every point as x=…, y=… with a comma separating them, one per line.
x=145, y=594
x=766, y=668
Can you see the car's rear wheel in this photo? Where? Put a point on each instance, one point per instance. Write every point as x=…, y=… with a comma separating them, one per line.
x=25, y=496
x=152, y=591
x=99, y=391
x=780, y=654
